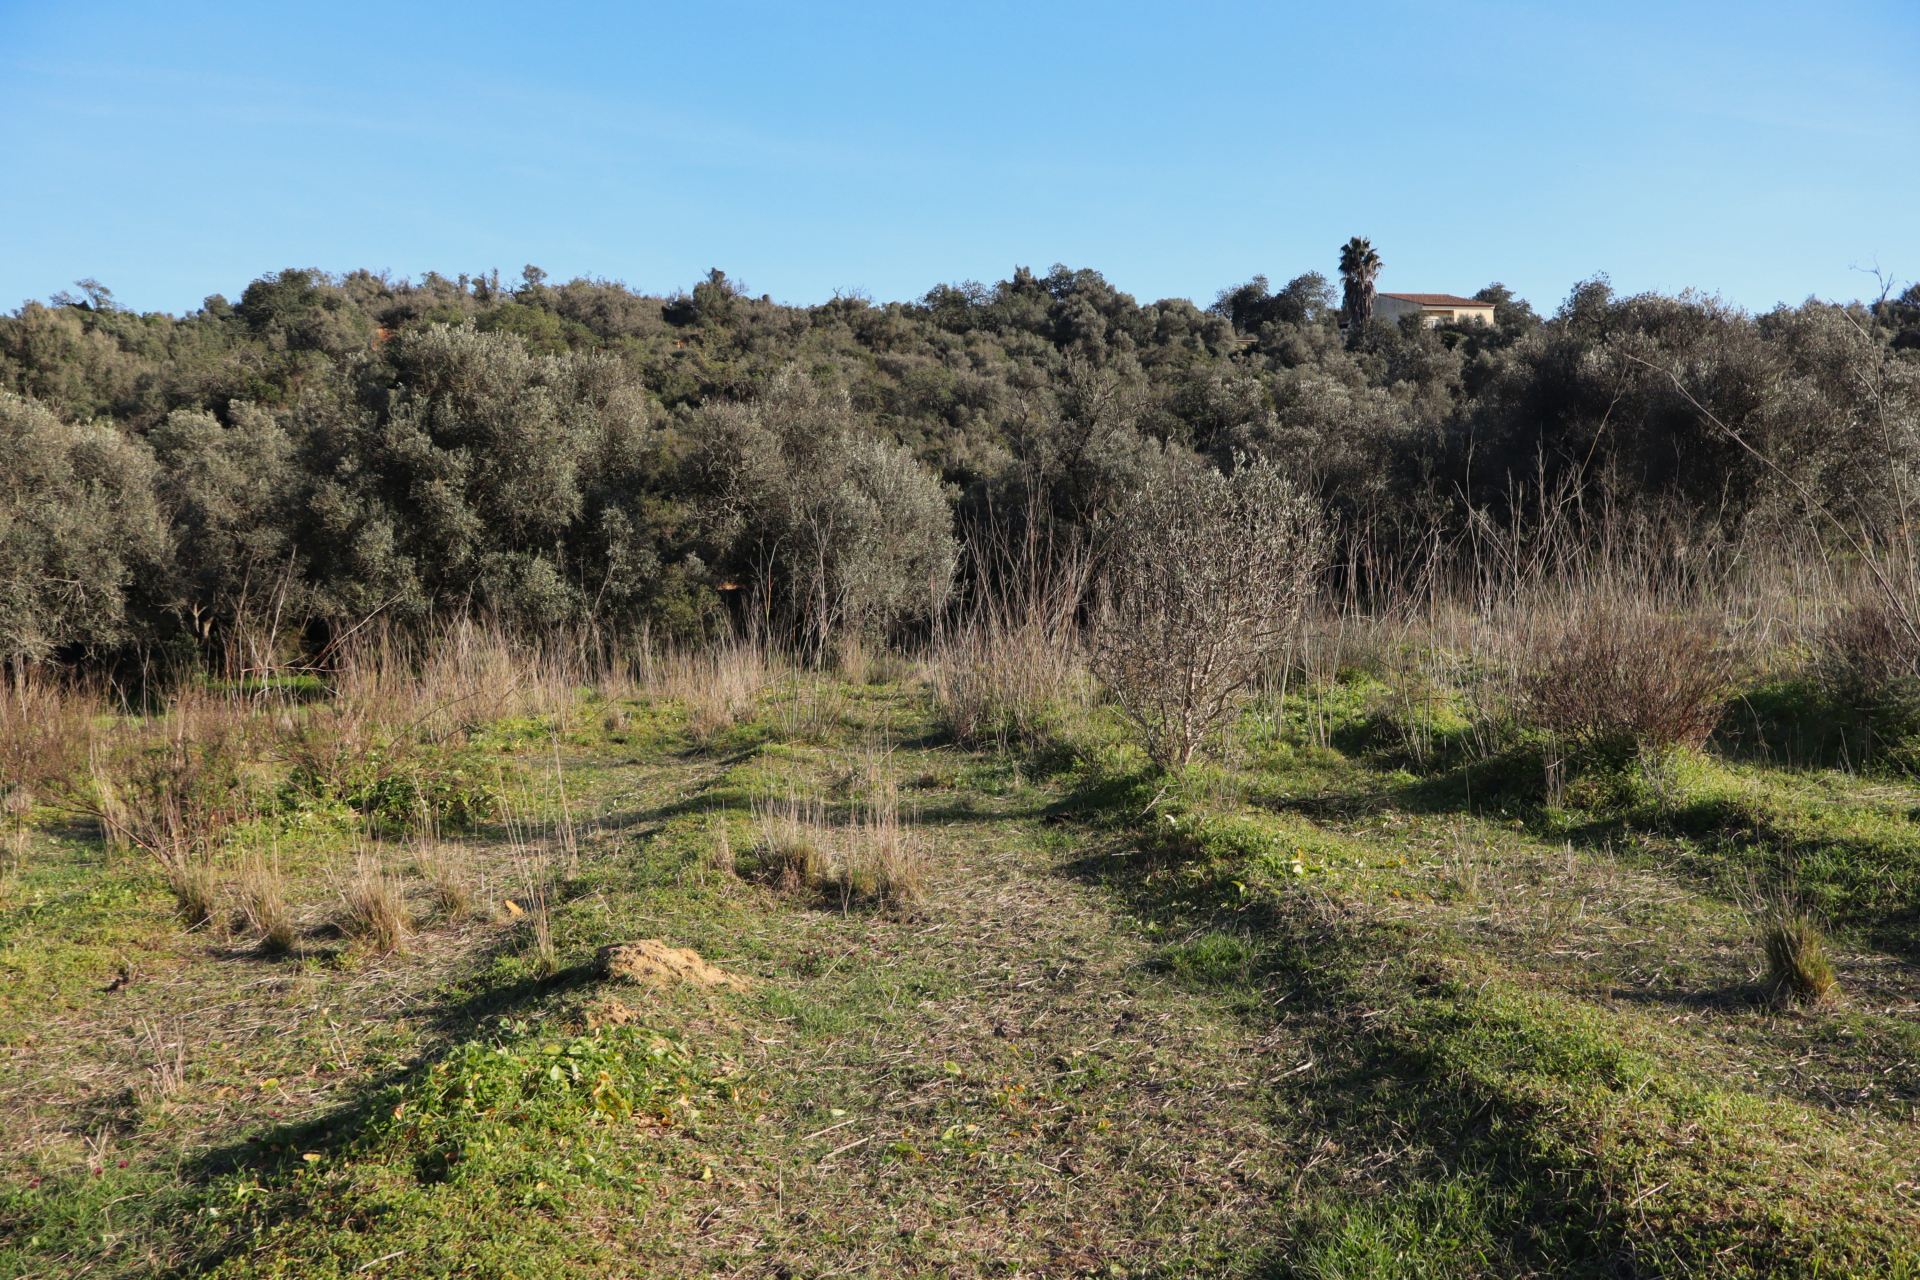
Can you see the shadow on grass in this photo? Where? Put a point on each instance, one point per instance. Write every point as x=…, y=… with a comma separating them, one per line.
x=1378, y=1077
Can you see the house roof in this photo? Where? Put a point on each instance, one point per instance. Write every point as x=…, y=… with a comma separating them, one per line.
x=1437, y=299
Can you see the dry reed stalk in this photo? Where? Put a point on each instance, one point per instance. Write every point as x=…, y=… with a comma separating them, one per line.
x=720, y=852
x=717, y=686
x=373, y=904
x=168, y=1070
x=534, y=865
x=448, y=870
x=883, y=860
x=809, y=708
x=566, y=833
x=262, y=898
x=1007, y=672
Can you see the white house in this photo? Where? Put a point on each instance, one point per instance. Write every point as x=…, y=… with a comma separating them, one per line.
x=1432, y=308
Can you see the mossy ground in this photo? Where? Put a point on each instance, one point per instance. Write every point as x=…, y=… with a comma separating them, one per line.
x=1353, y=1003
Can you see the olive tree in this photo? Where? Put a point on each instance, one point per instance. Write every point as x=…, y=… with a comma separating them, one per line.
x=1205, y=576
x=227, y=493
x=77, y=522
x=838, y=530
x=487, y=474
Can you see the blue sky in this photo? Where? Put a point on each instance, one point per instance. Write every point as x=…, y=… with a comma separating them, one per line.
x=1759, y=151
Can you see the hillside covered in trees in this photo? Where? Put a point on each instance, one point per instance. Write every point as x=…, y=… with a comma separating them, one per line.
x=331, y=447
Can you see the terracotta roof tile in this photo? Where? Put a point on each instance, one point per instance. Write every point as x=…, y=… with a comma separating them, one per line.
x=1437, y=299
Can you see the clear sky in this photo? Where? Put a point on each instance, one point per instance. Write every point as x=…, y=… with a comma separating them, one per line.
x=1759, y=150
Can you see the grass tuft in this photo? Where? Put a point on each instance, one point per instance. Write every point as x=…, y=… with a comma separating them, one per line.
x=1799, y=969
x=445, y=867
x=883, y=862
x=373, y=905
x=262, y=898
x=792, y=847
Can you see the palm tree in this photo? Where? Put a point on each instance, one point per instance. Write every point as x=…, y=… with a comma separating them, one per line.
x=1359, y=264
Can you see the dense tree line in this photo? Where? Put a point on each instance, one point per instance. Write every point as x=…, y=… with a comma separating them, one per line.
x=328, y=448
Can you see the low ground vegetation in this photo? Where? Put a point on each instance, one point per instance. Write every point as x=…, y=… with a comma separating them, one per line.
x=1463, y=945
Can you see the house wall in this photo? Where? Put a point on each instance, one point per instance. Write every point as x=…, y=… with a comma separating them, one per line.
x=1393, y=308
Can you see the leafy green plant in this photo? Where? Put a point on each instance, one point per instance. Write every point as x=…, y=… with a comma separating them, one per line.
x=505, y=1108
x=399, y=787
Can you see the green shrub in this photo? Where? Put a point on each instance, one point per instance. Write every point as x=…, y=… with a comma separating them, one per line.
x=400, y=787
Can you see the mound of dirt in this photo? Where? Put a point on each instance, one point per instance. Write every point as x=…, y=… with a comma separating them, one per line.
x=653, y=961
x=611, y=1013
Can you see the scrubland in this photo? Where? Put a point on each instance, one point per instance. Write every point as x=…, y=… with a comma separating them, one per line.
x=1539, y=918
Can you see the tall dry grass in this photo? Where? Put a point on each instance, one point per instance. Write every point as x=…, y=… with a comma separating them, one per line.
x=793, y=848
x=395, y=692
x=1582, y=624
x=882, y=860
x=448, y=870
x=718, y=686
x=1008, y=671
x=876, y=858
x=173, y=772
x=373, y=902
x=173, y=785
x=260, y=893
x=46, y=732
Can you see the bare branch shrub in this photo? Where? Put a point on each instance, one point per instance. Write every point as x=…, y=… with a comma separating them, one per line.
x=536, y=877
x=1627, y=676
x=1206, y=577
x=1867, y=654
